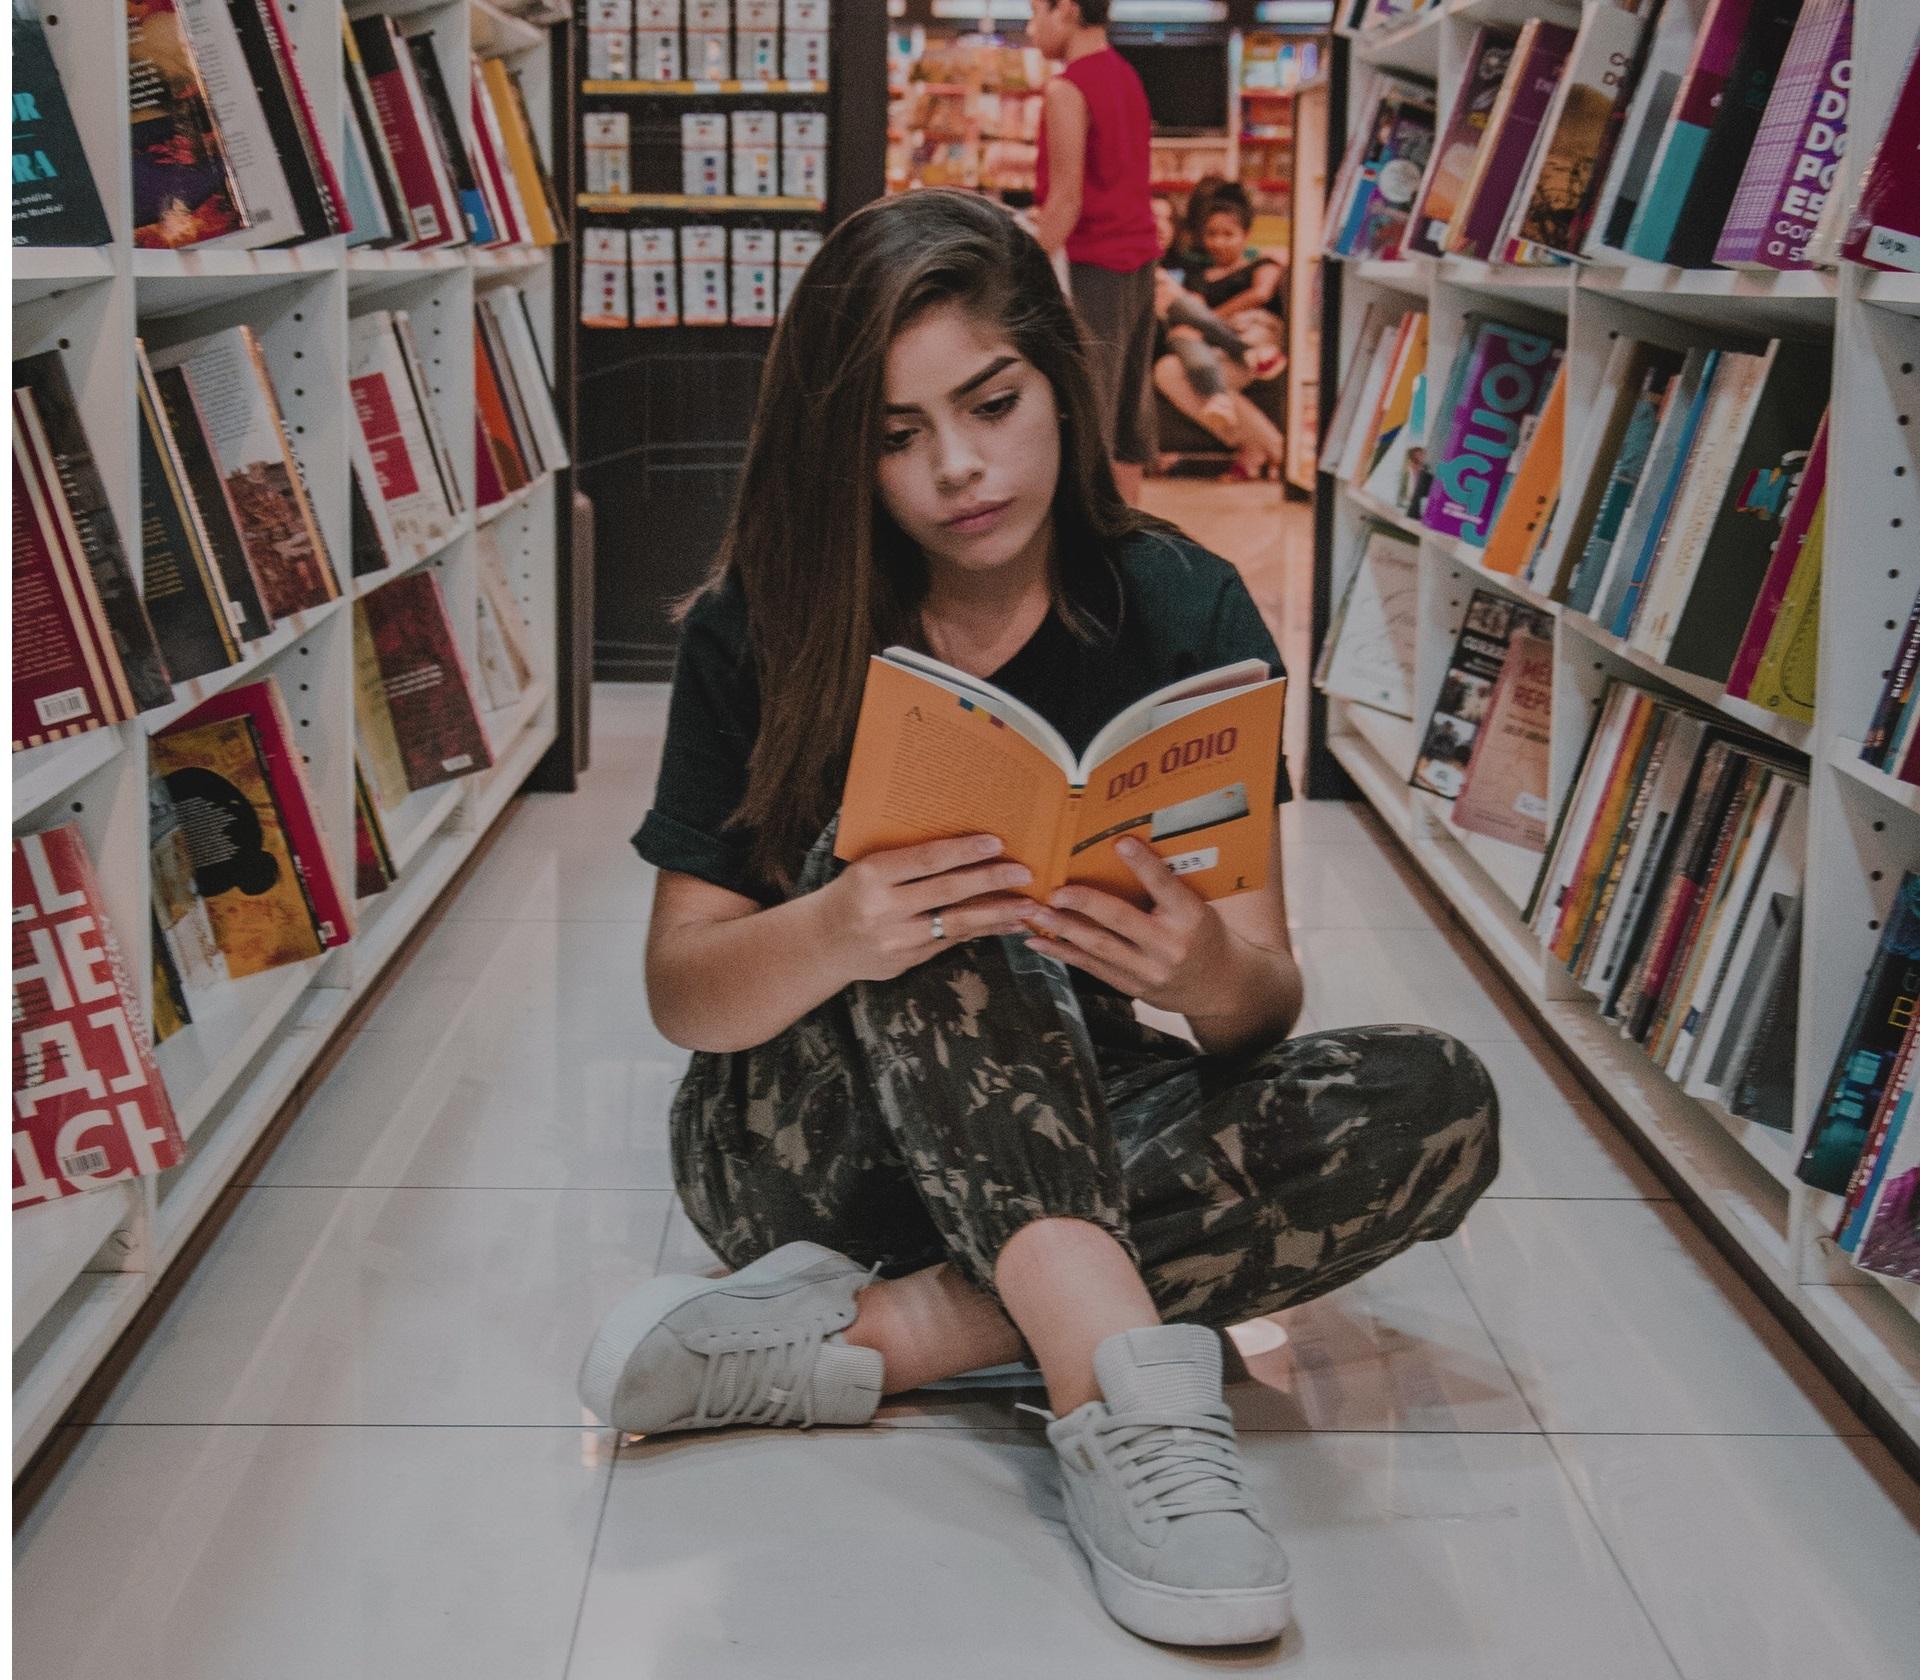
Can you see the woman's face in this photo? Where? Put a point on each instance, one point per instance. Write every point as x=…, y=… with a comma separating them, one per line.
x=969, y=443
x=1163, y=223
x=1224, y=238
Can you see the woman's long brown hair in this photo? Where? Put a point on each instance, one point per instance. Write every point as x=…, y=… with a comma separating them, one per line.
x=829, y=579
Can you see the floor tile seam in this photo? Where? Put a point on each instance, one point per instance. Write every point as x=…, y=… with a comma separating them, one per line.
x=611, y=1189
x=586, y=1573
x=1493, y=1341
x=1573, y=1486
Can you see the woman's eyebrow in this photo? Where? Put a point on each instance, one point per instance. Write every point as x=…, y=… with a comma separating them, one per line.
x=997, y=365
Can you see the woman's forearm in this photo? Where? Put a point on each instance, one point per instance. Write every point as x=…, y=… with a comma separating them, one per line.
x=732, y=984
x=1260, y=998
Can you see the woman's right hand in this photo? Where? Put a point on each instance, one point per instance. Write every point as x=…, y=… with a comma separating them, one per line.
x=878, y=912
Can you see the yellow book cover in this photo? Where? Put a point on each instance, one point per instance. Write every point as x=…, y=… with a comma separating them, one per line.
x=521, y=157
x=379, y=746
x=1591, y=872
x=1523, y=516
x=242, y=863
x=1783, y=681
x=1190, y=769
x=1396, y=406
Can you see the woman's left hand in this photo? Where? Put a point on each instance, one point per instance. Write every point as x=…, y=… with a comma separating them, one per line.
x=1170, y=955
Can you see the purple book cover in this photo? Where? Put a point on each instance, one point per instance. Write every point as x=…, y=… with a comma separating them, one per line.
x=1506, y=381
x=1513, y=145
x=1451, y=165
x=1796, y=155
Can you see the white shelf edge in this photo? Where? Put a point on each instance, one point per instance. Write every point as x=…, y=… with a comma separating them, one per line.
x=1844, y=756
x=320, y=256
x=294, y=628
x=1892, y=291
x=59, y=765
x=231, y=1023
x=108, y=1303
x=514, y=499
x=55, y=1242
x=425, y=813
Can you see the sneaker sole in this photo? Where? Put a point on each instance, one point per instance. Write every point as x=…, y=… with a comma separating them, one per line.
x=630, y=1323
x=1185, y=1615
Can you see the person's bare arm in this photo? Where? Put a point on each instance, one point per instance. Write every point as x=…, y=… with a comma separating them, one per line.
x=1066, y=110
x=724, y=973
x=1267, y=276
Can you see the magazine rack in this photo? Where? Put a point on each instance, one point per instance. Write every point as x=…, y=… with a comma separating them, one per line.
x=1865, y=828
x=83, y=1266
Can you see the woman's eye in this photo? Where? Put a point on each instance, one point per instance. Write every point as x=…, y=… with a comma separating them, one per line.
x=998, y=408
x=895, y=441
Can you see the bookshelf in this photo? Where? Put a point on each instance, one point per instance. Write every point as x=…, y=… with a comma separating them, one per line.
x=1865, y=825
x=83, y=1266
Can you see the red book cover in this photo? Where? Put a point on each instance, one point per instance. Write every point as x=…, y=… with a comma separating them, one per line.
x=1885, y=230
x=1786, y=555
x=434, y=221
x=428, y=693
x=262, y=705
x=490, y=165
x=496, y=425
x=89, y=1107
x=318, y=155
x=487, y=488
x=58, y=687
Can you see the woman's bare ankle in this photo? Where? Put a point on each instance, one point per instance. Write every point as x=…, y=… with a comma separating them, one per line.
x=931, y=1325
x=1068, y=1284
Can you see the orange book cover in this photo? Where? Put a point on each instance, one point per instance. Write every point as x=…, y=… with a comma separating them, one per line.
x=1190, y=770
x=1395, y=407
x=1603, y=832
x=495, y=425
x=1535, y=489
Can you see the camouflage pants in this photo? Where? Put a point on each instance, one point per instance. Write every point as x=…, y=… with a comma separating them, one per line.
x=929, y=1117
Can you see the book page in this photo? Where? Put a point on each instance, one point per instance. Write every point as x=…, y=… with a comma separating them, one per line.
x=1199, y=790
x=929, y=763
x=1189, y=694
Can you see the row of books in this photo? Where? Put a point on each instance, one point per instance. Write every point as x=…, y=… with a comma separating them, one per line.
x=1682, y=512
x=1691, y=132
x=1889, y=742
x=412, y=181
x=1672, y=894
x=1863, y=1146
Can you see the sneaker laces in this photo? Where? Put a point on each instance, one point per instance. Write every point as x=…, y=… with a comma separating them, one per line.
x=1174, y=1464
x=765, y=1383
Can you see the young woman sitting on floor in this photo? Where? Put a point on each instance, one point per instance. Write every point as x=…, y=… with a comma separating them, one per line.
x=921, y=1116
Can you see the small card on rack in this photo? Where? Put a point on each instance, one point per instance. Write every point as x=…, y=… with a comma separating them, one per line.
x=756, y=154
x=803, y=154
x=703, y=276
x=756, y=40
x=656, y=40
x=709, y=41
x=603, y=279
x=607, y=154
x=804, y=51
x=656, y=278
x=797, y=246
x=609, y=40
x=703, y=155
x=754, y=266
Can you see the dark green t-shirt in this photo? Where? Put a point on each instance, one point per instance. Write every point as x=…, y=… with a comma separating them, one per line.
x=1180, y=610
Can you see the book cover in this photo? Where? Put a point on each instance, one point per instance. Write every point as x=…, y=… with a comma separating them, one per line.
x=376, y=747
x=1451, y=164
x=446, y=130
x=1189, y=771
x=506, y=307
x=66, y=677
x=1558, y=191
x=89, y=1106
x=383, y=173
x=181, y=588
x=1637, y=784
x=50, y=415
x=498, y=435
x=1604, y=830
x=373, y=868
x=1707, y=623
x=435, y=720
x=1532, y=488
x=184, y=192
x=1504, y=792
x=1890, y=1234
x=1716, y=178
x=264, y=709
x=200, y=473
x=430, y=217
x=1884, y=229
x=1796, y=154
x=1508, y=148
x=1788, y=672
x=251, y=142
x=1396, y=423
x=1629, y=461
x=509, y=617
x=1886, y=1001
x=1357, y=452
x=1870, y=1170
x=1491, y=621
x=394, y=431
x=171, y=1011
x=496, y=166
x=1760, y=1089
x=1894, y=696
x=1657, y=82
x=180, y=918
x=54, y=199
x=1389, y=176
x=1803, y=503
x=1371, y=648
x=1696, y=109
x=217, y=777
x=374, y=545
x=546, y=221
x=227, y=374
x=317, y=187
x=365, y=205
x=1506, y=381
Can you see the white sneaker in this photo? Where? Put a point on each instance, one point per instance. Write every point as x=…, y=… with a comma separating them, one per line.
x=1157, y=1496
x=760, y=1347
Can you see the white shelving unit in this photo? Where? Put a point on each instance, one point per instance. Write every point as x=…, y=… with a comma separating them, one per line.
x=1865, y=825
x=83, y=1266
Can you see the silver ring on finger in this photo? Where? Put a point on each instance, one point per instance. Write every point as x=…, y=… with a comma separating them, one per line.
x=939, y=927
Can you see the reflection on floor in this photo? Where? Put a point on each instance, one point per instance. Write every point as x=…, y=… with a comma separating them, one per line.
x=1564, y=1443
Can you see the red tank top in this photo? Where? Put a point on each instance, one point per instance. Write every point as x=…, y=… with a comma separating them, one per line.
x=1115, y=229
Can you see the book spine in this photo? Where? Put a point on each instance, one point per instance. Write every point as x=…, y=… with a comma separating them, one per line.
x=59, y=681
x=1511, y=149
x=1663, y=503
x=1451, y=164
x=323, y=183
x=1796, y=154
x=381, y=49
x=1893, y=698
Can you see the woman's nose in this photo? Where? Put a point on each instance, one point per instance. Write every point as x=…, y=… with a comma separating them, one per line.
x=958, y=461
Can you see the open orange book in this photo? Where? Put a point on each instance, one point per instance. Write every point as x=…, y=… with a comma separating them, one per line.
x=1190, y=770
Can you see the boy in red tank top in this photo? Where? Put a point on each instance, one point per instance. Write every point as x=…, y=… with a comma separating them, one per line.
x=1096, y=204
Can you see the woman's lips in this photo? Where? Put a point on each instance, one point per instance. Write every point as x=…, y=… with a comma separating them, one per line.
x=976, y=519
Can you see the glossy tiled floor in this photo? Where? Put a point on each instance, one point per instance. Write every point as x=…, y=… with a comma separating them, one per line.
x=1565, y=1443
